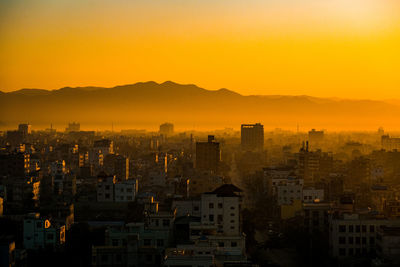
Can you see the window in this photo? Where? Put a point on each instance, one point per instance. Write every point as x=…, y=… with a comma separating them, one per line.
x=371, y=228
x=364, y=240
x=232, y=214
x=196, y=208
x=156, y=222
x=39, y=225
x=165, y=222
x=364, y=228
x=220, y=218
x=233, y=244
x=129, y=190
x=115, y=242
x=129, y=197
x=342, y=240
x=160, y=242
x=357, y=240
x=119, y=257
x=211, y=218
x=232, y=208
x=211, y=205
x=342, y=228
x=351, y=240
x=147, y=242
x=232, y=221
x=232, y=227
x=351, y=228
x=50, y=236
x=221, y=244
x=351, y=252
x=107, y=196
x=357, y=228
x=220, y=205
x=107, y=187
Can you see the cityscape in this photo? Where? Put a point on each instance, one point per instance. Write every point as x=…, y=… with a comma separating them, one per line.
x=199, y=133
x=246, y=197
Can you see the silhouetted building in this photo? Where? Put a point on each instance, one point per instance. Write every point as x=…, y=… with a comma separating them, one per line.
x=252, y=137
x=208, y=155
x=14, y=165
x=24, y=129
x=73, y=127
x=167, y=129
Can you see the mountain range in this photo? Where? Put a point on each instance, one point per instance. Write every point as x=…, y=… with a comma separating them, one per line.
x=147, y=104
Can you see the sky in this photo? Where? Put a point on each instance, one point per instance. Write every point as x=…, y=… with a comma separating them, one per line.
x=325, y=48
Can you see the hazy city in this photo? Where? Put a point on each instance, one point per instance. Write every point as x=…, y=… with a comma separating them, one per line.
x=187, y=133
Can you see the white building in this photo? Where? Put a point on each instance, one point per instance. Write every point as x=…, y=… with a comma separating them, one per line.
x=39, y=233
x=105, y=189
x=125, y=191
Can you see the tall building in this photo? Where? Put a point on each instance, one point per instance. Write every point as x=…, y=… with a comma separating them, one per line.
x=208, y=155
x=167, y=129
x=252, y=137
x=315, y=138
x=25, y=129
x=73, y=127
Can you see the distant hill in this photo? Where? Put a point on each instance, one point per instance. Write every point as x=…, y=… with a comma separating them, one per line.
x=149, y=104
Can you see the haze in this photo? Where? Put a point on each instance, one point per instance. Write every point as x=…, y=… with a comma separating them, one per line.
x=332, y=48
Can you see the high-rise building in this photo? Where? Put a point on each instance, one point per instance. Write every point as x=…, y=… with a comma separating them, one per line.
x=25, y=129
x=315, y=138
x=73, y=127
x=208, y=155
x=252, y=137
x=167, y=129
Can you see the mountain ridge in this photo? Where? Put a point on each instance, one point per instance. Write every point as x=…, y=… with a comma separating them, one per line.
x=151, y=103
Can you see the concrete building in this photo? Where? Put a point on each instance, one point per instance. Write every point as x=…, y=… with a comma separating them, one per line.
x=252, y=137
x=356, y=235
x=125, y=191
x=208, y=155
x=39, y=233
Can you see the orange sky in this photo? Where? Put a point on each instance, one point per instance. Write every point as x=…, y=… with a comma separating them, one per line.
x=336, y=48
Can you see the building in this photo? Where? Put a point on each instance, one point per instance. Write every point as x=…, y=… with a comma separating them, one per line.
x=167, y=129
x=73, y=127
x=388, y=244
x=110, y=190
x=39, y=233
x=252, y=137
x=315, y=138
x=208, y=155
x=25, y=129
x=311, y=195
x=7, y=251
x=125, y=191
x=14, y=164
x=390, y=143
x=356, y=234
x=105, y=146
x=316, y=216
x=117, y=165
